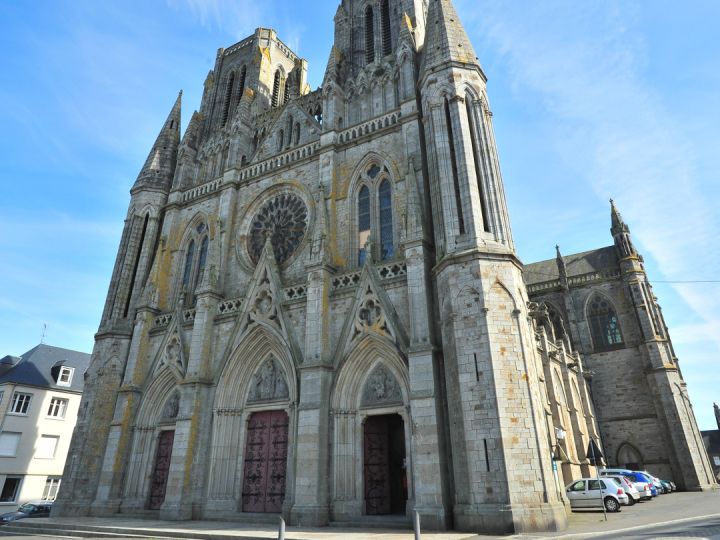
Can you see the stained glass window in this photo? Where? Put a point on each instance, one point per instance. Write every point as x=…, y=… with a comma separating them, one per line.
x=188, y=265
x=363, y=222
x=604, y=324
x=387, y=249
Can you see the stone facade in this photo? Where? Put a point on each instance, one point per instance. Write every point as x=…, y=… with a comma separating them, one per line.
x=317, y=309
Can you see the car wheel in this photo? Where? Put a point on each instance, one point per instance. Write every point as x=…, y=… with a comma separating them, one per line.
x=611, y=505
x=631, y=501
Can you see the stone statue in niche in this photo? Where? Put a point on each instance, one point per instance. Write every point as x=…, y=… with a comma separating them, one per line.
x=381, y=388
x=172, y=407
x=172, y=353
x=268, y=383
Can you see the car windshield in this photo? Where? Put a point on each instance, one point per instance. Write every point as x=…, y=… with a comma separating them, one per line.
x=27, y=508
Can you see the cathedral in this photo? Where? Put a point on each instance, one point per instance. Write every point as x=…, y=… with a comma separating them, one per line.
x=317, y=310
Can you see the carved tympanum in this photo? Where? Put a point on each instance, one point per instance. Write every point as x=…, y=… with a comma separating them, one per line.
x=381, y=388
x=172, y=407
x=268, y=383
x=283, y=219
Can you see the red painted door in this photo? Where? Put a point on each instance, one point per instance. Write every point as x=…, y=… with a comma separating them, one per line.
x=265, y=462
x=158, y=484
x=377, y=466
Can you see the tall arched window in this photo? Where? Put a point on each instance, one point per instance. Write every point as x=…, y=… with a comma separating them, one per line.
x=375, y=214
x=386, y=35
x=556, y=321
x=387, y=248
x=195, y=262
x=369, y=35
x=228, y=98
x=276, y=89
x=363, y=223
x=604, y=324
x=241, y=83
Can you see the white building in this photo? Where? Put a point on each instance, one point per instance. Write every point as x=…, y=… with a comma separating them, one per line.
x=39, y=398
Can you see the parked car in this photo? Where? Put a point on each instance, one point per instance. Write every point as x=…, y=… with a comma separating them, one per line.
x=28, y=510
x=656, y=481
x=642, y=477
x=629, y=487
x=667, y=486
x=591, y=493
x=644, y=485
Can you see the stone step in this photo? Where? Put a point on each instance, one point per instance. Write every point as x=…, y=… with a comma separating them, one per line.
x=67, y=530
x=375, y=522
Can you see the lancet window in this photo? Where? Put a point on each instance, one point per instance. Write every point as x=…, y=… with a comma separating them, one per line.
x=604, y=324
x=369, y=35
x=278, y=86
x=195, y=262
x=386, y=35
x=375, y=215
x=453, y=164
x=228, y=98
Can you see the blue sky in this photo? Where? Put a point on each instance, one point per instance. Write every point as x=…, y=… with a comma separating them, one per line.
x=591, y=100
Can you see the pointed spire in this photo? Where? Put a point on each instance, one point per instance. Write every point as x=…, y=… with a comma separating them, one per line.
x=621, y=233
x=446, y=41
x=618, y=225
x=717, y=414
x=562, y=269
x=160, y=164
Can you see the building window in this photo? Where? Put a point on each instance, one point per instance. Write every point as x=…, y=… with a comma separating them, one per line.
x=228, y=98
x=9, y=442
x=57, y=408
x=454, y=167
x=386, y=35
x=195, y=262
x=241, y=85
x=278, y=83
x=604, y=324
x=375, y=214
x=387, y=248
x=10, y=489
x=363, y=223
x=369, y=35
x=52, y=484
x=65, y=376
x=20, y=403
x=46, y=446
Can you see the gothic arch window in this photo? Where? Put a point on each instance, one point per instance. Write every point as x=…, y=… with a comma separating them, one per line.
x=297, y=134
x=386, y=35
x=630, y=457
x=277, y=88
x=241, y=83
x=375, y=214
x=369, y=35
x=195, y=263
x=604, y=324
x=228, y=98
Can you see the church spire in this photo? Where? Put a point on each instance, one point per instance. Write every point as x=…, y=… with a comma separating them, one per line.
x=160, y=164
x=621, y=233
x=446, y=41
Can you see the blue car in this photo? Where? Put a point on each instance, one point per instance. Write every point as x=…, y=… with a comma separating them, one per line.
x=642, y=477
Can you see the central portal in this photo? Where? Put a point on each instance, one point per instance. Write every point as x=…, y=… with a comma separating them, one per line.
x=265, y=462
x=385, y=477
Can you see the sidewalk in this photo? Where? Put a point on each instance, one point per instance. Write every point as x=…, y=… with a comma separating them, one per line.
x=666, y=509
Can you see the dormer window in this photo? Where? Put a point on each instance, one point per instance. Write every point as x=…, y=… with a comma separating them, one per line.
x=65, y=376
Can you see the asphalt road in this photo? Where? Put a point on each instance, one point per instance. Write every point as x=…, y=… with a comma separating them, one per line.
x=701, y=528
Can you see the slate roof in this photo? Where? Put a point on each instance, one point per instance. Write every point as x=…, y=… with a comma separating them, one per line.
x=576, y=264
x=34, y=367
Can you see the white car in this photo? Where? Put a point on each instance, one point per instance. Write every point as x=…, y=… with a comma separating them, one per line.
x=643, y=488
x=593, y=493
x=629, y=487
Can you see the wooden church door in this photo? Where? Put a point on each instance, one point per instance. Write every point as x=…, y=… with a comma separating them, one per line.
x=158, y=484
x=265, y=462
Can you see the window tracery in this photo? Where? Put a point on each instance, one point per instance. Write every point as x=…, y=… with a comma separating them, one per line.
x=375, y=225
x=604, y=324
x=284, y=220
x=195, y=262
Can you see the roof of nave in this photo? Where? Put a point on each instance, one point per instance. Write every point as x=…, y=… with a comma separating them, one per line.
x=577, y=264
x=35, y=367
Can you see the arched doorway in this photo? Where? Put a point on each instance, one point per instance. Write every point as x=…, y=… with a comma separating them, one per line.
x=385, y=464
x=629, y=457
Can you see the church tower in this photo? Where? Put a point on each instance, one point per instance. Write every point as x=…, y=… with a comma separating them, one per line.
x=502, y=468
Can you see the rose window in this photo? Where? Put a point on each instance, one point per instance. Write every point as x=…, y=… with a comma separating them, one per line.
x=284, y=220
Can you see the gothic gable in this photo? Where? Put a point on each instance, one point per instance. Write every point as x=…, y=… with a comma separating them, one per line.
x=372, y=315
x=292, y=128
